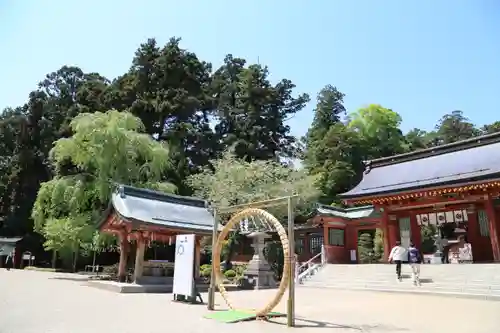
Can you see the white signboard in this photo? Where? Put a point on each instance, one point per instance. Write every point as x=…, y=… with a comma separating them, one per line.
x=184, y=265
x=353, y=255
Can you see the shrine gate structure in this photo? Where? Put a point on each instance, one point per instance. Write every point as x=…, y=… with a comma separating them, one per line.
x=457, y=184
x=142, y=216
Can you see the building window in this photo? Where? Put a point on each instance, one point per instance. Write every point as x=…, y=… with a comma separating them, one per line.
x=299, y=246
x=336, y=237
x=315, y=243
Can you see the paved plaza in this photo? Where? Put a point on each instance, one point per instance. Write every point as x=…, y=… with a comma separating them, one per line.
x=39, y=302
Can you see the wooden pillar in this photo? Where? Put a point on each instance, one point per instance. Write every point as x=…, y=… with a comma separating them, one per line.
x=492, y=223
x=473, y=235
x=306, y=245
x=197, y=256
x=393, y=227
x=415, y=232
x=139, y=258
x=122, y=266
x=385, y=231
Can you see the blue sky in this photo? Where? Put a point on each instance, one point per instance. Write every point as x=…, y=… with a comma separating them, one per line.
x=421, y=58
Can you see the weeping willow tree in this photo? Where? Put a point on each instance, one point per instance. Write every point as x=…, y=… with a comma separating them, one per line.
x=105, y=149
x=231, y=181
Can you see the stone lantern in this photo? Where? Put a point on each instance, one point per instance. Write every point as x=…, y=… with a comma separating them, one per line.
x=258, y=274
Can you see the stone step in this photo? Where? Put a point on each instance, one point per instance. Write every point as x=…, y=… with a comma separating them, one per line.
x=474, y=281
x=406, y=284
x=418, y=290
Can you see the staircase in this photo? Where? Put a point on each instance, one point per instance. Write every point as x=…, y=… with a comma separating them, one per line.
x=468, y=281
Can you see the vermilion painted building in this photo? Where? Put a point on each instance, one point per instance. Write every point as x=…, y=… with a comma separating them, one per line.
x=455, y=185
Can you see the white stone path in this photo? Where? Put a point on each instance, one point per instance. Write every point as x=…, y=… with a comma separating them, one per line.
x=38, y=302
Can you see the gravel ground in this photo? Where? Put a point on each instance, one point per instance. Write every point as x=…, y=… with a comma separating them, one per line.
x=40, y=302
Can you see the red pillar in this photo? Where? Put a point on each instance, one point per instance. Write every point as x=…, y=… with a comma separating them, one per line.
x=393, y=233
x=385, y=230
x=415, y=233
x=492, y=222
x=473, y=235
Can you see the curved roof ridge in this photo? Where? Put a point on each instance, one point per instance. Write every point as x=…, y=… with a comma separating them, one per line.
x=125, y=190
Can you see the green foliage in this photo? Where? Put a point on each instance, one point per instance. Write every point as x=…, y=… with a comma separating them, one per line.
x=330, y=147
x=229, y=274
x=378, y=245
x=428, y=233
x=205, y=271
x=378, y=130
x=365, y=248
x=232, y=180
x=240, y=269
x=105, y=148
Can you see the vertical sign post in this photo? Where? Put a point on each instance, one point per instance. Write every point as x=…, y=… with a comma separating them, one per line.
x=211, y=288
x=184, y=265
x=291, y=284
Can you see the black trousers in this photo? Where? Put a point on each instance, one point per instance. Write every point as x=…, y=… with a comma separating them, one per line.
x=398, y=267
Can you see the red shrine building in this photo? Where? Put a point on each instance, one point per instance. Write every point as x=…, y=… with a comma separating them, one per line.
x=452, y=187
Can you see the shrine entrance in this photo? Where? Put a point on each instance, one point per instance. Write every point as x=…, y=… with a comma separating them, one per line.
x=442, y=231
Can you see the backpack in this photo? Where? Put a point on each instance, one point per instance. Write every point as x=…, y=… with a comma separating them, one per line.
x=414, y=255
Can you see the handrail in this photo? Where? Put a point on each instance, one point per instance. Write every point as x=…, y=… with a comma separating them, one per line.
x=307, y=263
x=311, y=269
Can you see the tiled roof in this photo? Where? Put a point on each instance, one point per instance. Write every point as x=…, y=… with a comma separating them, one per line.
x=457, y=163
x=157, y=208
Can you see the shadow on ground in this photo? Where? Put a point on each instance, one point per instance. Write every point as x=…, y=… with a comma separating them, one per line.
x=308, y=323
x=70, y=278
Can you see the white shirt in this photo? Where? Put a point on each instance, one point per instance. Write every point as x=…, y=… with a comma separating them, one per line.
x=398, y=253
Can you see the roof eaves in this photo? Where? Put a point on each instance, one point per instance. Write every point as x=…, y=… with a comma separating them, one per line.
x=438, y=150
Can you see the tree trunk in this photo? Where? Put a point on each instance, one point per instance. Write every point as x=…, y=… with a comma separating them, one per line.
x=75, y=259
x=54, y=259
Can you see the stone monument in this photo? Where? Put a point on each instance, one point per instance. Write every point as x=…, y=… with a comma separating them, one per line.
x=258, y=274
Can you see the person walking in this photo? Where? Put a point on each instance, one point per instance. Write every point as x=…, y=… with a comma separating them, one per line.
x=415, y=258
x=398, y=255
x=9, y=261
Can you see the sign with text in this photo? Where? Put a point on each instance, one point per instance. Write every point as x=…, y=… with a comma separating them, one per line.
x=184, y=265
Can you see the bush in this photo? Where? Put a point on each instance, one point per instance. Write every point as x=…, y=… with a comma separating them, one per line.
x=205, y=267
x=206, y=271
x=230, y=274
x=365, y=248
x=240, y=269
x=110, y=270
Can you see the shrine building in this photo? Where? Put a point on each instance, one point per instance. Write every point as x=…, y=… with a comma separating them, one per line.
x=454, y=186
x=139, y=216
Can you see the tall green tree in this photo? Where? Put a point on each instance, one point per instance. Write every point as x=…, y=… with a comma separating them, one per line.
x=232, y=180
x=379, y=131
x=251, y=113
x=168, y=89
x=105, y=148
x=330, y=147
x=454, y=127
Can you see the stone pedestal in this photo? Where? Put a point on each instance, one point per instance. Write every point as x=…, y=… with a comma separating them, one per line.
x=258, y=274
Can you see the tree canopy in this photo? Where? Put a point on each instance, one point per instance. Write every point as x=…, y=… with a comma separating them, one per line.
x=104, y=149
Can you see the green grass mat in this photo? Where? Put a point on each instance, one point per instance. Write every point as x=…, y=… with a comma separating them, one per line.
x=234, y=316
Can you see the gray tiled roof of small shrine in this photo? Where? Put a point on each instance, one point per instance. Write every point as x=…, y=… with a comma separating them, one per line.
x=166, y=210
x=456, y=163
x=347, y=213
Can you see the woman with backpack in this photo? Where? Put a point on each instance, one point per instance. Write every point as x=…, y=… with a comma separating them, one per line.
x=415, y=258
